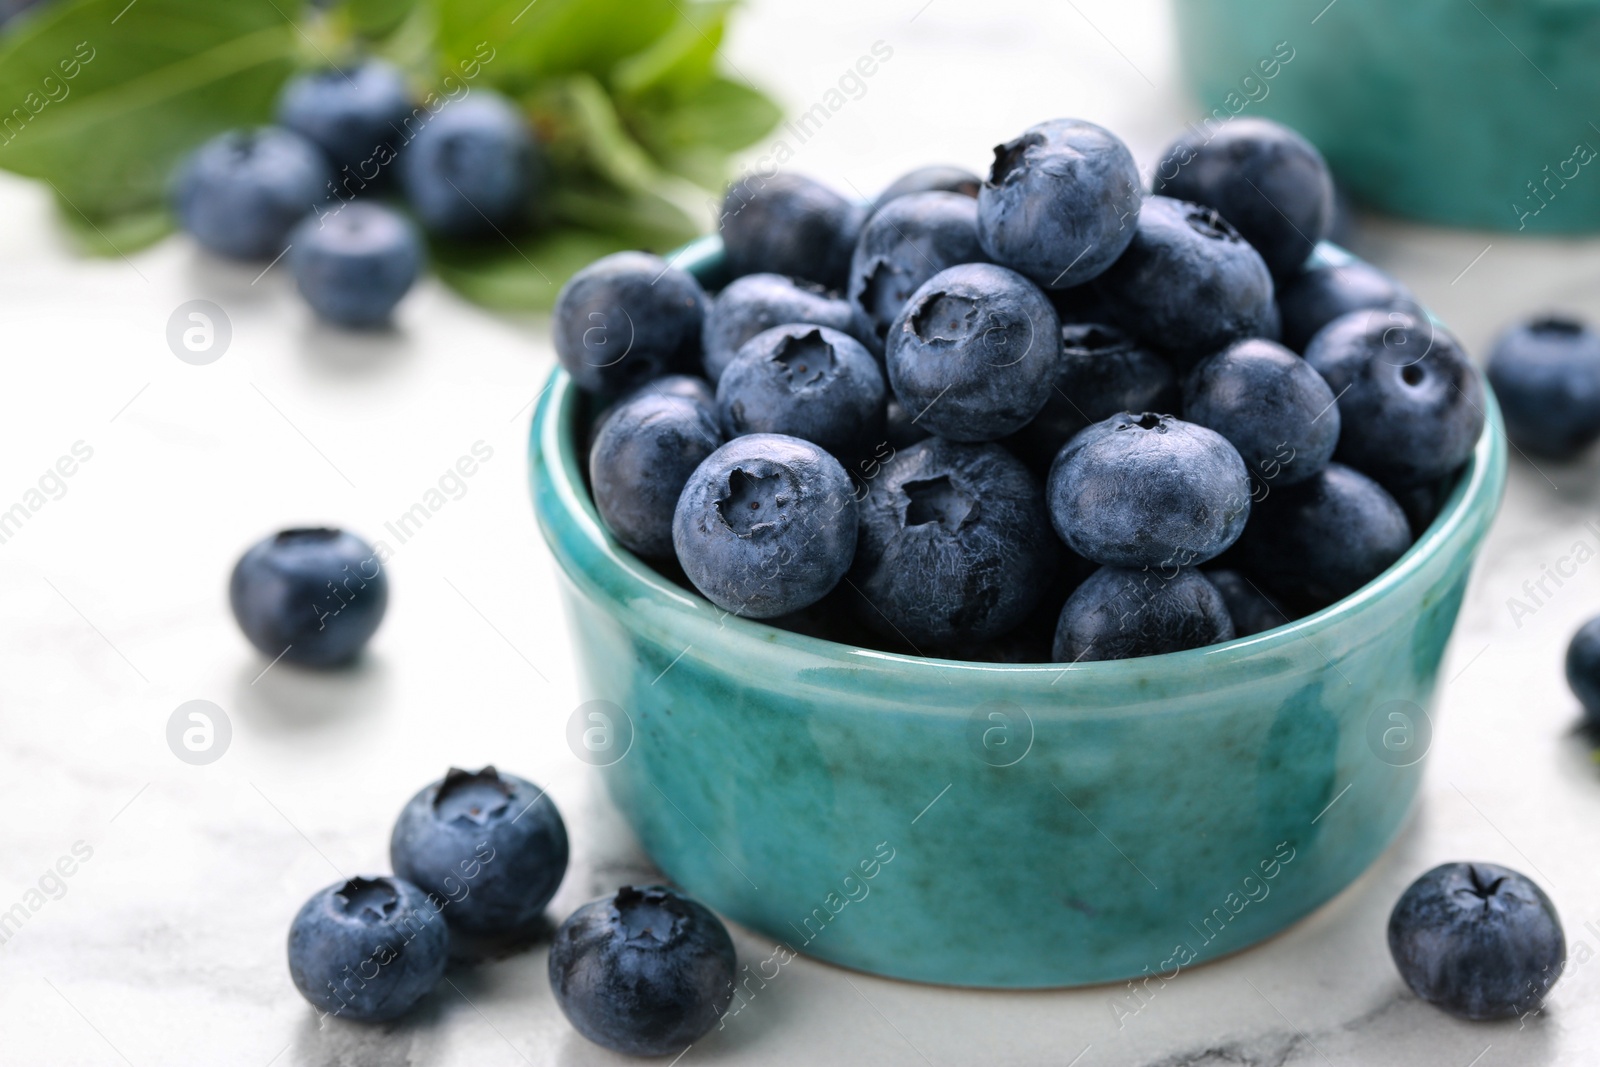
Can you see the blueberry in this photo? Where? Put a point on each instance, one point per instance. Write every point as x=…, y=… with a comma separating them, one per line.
x=1188, y=283
x=901, y=428
x=766, y=525
x=1583, y=667
x=310, y=596
x=1410, y=402
x=1311, y=299
x=1061, y=202
x=645, y=972
x=472, y=170
x=758, y=302
x=1422, y=502
x=1319, y=541
x=241, y=192
x=1265, y=179
x=353, y=265
x=684, y=386
x=909, y=241
x=1251, y=610
x=1478, y=940
x=367, y=949
x=643, y=453
x=805, y=381
x=356, y=116
x=1270, y=405
x=1102, y=372
x=1148, y=491
x=955, y=545
x=790, y=224
x=937, y=178
x=1122, y=614
x=489, y=848
x=626, y=319
x=1546, y=374
x=974, y=352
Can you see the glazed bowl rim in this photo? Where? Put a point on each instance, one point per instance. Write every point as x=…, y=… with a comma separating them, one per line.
x=628, y=579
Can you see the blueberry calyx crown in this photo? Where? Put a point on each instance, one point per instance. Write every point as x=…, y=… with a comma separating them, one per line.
x=806, y=358
x=648, y=916
x=1008, y=156
x=476, y=797
x=1555, y=326
x=307, y=535
x=1208, y=222
x=1483, y=887
x=947, y=312
x=367, y=900
x=753, y=504
x=1148, y=420
x=939, y=500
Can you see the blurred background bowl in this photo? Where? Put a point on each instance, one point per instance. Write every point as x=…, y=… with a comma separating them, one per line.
x=1463, y=112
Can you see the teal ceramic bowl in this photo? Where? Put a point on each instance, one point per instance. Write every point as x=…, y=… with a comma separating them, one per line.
x=1472, y=114
x=1000, y=825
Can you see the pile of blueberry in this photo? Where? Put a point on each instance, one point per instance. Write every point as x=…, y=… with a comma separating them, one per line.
x=465, y=168
x=1043, y=417
x=477, y=856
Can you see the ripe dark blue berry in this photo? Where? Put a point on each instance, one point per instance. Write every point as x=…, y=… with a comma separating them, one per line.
x=789, y=224
x=1270, y=405
x=1061, y=202
x=241, y=192
x=1546, y=375
x=1102, y=372
x=310, y=596
x=354, y=265
x=1188, y=283
x=1121, y=614
x=936, y=178
x=472, y=170
x=758, y=302
x=645, y=972
x=1319, y=541
x=974, y=352
x=1410, y=402
x=367, y=949
x=766, y=525
x=809, y=382
x=955, y=545
x=1251, y=610
x=909, y=241
x=1312, y=298
x=356, y=116
x=1478, y=940
x=1148, y=491
x=627, y=319
x=489, y=848
x=1265, y=179
x=643, y=453
x=1583, y=667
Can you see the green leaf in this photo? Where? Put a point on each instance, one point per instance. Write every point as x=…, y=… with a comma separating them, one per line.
x=681, y=60
x=134, y=89
x=583, y=132
x=533, y=39
x=116, y=235
x=377, y=18
x=693, y=137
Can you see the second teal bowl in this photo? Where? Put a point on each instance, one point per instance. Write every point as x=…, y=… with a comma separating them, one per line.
x=1003, y=825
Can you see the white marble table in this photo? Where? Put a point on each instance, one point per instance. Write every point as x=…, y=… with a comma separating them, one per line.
x=165, y=943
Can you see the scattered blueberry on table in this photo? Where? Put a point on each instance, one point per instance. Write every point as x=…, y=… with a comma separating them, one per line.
x=354, y=265
x=367, y=949
x=311, y=596
x=354, y=114
x=1477, y=940
x=645, y=971
x=473, y=168
x=1583, y=668
x=1546, y=374
x=488, y=846
x=241, y=192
